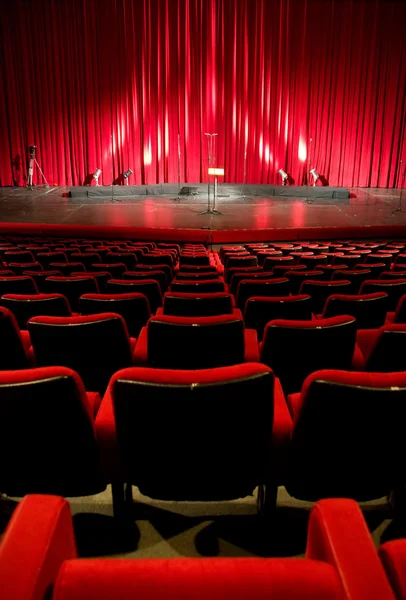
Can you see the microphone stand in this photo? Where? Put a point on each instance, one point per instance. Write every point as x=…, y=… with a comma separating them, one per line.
x=402, y=185
x=242, y=196
x=210, y=210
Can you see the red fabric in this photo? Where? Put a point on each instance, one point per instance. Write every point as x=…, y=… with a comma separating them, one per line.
x=37, y=540
x=251, y=352
x=368, y=338
x=126, y=78
x=330, y=322
x=141, y=348
x=393, y=557
x=338, y=534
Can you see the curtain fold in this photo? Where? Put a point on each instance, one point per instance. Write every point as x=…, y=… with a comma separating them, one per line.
x=119, y=84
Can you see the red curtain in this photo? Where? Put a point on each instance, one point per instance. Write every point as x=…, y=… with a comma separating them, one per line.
x=111, y=84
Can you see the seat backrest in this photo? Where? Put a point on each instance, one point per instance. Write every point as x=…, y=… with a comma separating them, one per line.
x=94, y=346
x=369, y=309
x=192, y=305
x=394, y=288
x=259, y=310
x=129, y=259
x=13, y=354
x=219, y=420
x=21, y=268
x=195, y=342
x=206, y=286
x=242, y=261
x=22, y=284
x=294, y=349
x=181, y=276
x=400, y=314
x=25, y=306
x=355, y=424
x=393, y=557
x=67, y=268
x=388, y=352
x=296, y=278
x=149, y=287
x=256, y=275
x=46, y=418
x=278, y=286
x=234, y=270
x=71, y=287
x=321, y=290
x=158, y=276
x=133, y=307
x=46, y=258
x=194, y=259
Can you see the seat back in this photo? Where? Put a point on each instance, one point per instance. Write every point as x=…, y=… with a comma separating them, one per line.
x=369, y=309
x=116, y=270
x=294, y=349
x=158, y=276
x=206, y=428
x=195, y=342
x=94, y=346
x=191, y=305
x=13, y=355
x=206, y=286
x=194, y=259
x=46, y=418
x=393, y=557
x=259, y=310
x=388, y=353
x=148, y=287
x=25, y=306
x=248, y=288
x=296, y=278
x=67, y=269
x=71, y=287
x=355, y=424
x=321, y=290
x=22, y=284
x=394, y=288
x=134, y=308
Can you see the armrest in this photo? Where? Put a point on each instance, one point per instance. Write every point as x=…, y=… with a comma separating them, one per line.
x=94, y=401
x=159, y=311
x=295, y=404
x=107, y=439
x=140, y=355
x=393, y=557
x=281, y=433
x=251, y=346
x=390, y=318
x=38, y=539
x=358, y=361
x=338, y=535
x=237, y=313
x=366, y=339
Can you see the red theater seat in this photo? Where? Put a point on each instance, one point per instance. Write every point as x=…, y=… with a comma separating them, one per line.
x=22, y=284
x=48, y=422
x=395, y=288
x=247, y=288
x=384, y=349
x=393, y=557
x=23, y=268
x=200, y=286
x=116, y=270
x=25, y=306
x=259, y=310
x=341, y=563
x=67, y=268
x=15, y=345
x=368, y=309
x=294, y=349
x=95, y=346
x=159, y=276
x=192, y=305
x=399, y=316
x=296, y=278
x=71, y=287
x=150, y=288
x=321, y=290
x=134, y=308
x=195, y=342
x=348, y=436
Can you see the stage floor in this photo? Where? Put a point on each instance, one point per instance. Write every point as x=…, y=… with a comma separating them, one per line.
x=365, y=207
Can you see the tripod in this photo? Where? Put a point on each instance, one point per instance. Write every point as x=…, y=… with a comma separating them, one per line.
x=402, y=185
x=33, y=161
x=210, y=210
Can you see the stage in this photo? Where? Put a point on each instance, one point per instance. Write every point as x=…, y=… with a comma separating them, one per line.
x=368, y=212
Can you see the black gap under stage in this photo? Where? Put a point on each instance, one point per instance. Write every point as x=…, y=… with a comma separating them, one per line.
x=109, y=192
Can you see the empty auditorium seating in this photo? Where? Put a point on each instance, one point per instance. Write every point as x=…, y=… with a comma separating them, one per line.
x=14, y=346
x=159, y=276
x=22, y=268
x=296, y=278
x=247, y=288
x=95, y=346
x=321, y=290
x=348, y=436
x=369, y=309
x=170, y=342
x=22, y=284
x=150, y=288
x=195, y=305
x=200, y=286
x=294, y=349
x=71, y=287
x=394, y=288
x=48, y=422
x=355, y=276
x=259, y=310
x=67, y=269
x=25, y=306
x=116, y=270
x=133, y=307
x=384, y=348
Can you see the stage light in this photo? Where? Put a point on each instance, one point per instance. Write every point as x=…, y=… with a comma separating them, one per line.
x=284, y=176
x=315, y=176
x=126, y=175
x=96, y=176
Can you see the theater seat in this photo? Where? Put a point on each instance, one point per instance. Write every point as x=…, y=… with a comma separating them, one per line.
x=340, y=563
x=247, y=288
x=23, y=284
x=95, y=346
x=200, y=286
x=47, y=437
x=348, y=436
x=25, y=306
x=395, y=288
x=393, y=557
x=195, y=342
x=368, y=309
x=15, y=345
x=150, y=288
x=195, y=305
x=383, y=349
x=71, y=287
x=134, y=308
x=294, y=349
x=259, y=310
x=321, y=290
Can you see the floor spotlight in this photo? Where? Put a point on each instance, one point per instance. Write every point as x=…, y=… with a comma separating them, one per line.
x=315, y=176
x=284, y=176
x=126, y=175
x=96, y=176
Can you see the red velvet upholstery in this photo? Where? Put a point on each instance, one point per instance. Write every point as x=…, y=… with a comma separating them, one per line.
x=194, y=305
x=393, y=557
x=134, y=308
x=355, y=276
x=87, y=259
x=48, y=421
x=341, y=564
x=150, y=288
x=157, y=267
x=38, y=539
x=182, y=275
x=368, y=309
x=194, y=259
x=348, y=435
x=233, y=270
x=13, y=349
x=324, y=344
x=171, y=342
x=259, y=310
x=95, y=346
x=25, y=306
x=204, y=430
x=383, y=348
x=395, y=288
x=17, y=256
